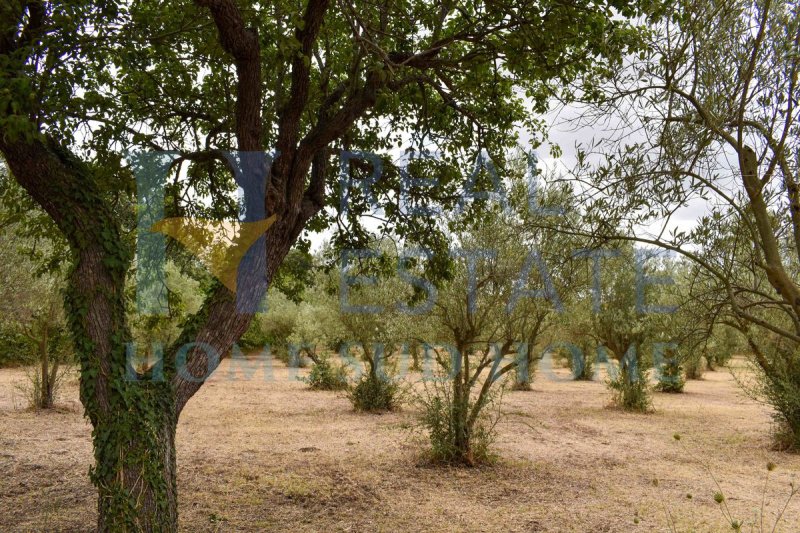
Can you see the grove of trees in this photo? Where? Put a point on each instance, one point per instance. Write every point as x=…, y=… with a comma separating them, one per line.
x=393, y=128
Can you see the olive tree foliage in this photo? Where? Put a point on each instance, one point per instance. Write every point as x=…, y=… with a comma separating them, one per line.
x=542, y=240
x=316, y=332
x=625, y=317
x=702, y=341
x=83, y=83
x=372, y=310
x=274, y=327
x=714, y=107
x=149, y=332
x=316, y=326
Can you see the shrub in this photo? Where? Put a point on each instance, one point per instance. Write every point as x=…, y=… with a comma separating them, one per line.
x=670, y=374
x=256, y=335
x=719, y=349
x=693, y=366
x=315, y=326
x=15, y=349
x=670, y=377
x=41, y=392
x=325, y=375
x=272, y=327
x=781, y=389
x=630, y=390
x=775, y=366
x=460, y=432
x=374, y=393
x=48, y=336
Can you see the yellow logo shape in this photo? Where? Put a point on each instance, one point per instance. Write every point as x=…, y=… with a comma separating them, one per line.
x=219, y=245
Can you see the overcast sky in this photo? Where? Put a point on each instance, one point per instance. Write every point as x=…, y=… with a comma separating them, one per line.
x=564, y=133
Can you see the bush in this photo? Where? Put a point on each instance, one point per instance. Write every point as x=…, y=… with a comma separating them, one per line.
x=781, y=389
x=41, y=392
x=670, y=378
x=719, y=350
x=374, y=393
x=272, y=327
x=315, y=326
x=630, y=390
x=670, y=374
x=325, y=375
x=15, y=350
x=775, y=365
x=693, y=366
x=457, y=438
x=256, y=336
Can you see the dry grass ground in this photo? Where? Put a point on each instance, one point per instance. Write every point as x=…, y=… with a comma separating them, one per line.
x=270, y=455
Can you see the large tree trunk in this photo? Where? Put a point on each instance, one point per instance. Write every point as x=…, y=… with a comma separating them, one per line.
x=136, y=476
x=134, y=420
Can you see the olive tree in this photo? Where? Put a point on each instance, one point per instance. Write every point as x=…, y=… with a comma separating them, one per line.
x=714, y=105
x=482, y=315
x=31, y=281
x=628, y=304
x=541, y=236
x=30, y=307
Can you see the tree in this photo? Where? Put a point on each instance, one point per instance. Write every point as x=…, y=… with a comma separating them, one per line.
x=316, y=330
x=622, y=327
x=470, y=323
x=31, y=281
x=29, y=304
x=81, y=83
x=543, y=243
x=371, y=324
x=275, y=327
x=572, y=342
x=714, y=101
x=696, y=328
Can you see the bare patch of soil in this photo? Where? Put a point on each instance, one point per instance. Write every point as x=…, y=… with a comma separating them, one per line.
x=263, y=453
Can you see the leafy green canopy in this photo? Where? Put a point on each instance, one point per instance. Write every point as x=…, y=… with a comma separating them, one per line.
x=452, y=78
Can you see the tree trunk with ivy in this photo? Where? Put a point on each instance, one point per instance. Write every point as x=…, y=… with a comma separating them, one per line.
x=133, y=421
x=134, y=417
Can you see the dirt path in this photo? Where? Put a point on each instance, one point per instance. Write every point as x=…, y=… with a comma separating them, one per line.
x=268, y=455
